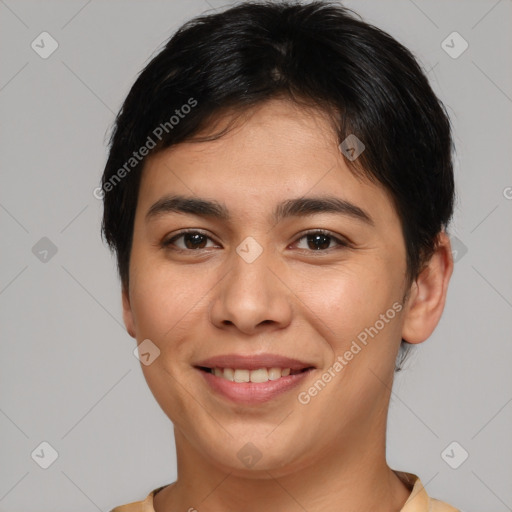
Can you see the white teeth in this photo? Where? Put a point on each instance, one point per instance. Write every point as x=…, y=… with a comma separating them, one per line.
x=242, y=376
x=259, y=375
x=229, y=373
x=274, y=373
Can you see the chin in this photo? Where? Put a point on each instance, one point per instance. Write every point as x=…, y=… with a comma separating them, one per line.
x=278, y=456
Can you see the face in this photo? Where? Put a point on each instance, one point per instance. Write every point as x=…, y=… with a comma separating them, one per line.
x=288, y=261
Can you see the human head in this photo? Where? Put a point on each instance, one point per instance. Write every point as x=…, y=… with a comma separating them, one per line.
x=248, y=66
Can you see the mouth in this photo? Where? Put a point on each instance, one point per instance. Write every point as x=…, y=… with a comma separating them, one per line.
x=252, y=379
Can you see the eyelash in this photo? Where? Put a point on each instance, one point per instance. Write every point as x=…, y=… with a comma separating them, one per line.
x=340, y=241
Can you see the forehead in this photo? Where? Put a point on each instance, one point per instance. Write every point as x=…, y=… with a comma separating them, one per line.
x=271, y=152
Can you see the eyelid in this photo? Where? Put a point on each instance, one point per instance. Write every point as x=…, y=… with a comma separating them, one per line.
x=167, y=241
x=339, y=239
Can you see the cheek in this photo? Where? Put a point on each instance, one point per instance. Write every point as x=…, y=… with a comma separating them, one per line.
x=348, y=299
x=167, y=303
x=357, y=315
x=167, y=307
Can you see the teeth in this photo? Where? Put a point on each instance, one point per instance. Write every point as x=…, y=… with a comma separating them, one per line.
x=274, y=373
x=229, y=373
x=259, y=375
x=242, y=375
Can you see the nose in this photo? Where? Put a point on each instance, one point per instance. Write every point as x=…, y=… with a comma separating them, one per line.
x=252, y=296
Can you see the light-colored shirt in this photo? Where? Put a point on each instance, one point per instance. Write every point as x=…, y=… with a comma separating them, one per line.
x=418, y=501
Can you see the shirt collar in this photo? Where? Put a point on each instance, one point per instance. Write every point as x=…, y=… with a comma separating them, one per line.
x=418, y=500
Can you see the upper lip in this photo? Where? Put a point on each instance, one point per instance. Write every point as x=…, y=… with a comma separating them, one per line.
x=253, y=362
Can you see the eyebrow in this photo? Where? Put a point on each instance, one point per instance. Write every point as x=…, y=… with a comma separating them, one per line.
x=299, y=207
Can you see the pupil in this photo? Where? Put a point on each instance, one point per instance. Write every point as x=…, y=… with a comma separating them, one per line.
x=317, y=239
x=196, y=239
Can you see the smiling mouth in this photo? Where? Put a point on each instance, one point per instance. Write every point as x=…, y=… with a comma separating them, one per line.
x=256, y=376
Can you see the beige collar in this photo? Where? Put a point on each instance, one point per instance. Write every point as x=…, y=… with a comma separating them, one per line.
x=418, y=501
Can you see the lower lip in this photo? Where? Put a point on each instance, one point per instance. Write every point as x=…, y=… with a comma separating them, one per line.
x=253, y=392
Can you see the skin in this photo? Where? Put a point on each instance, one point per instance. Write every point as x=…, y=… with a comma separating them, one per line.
x=293, y=300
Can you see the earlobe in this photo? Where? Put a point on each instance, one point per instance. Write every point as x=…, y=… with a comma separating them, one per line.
x=428, y=294
x=127, y=313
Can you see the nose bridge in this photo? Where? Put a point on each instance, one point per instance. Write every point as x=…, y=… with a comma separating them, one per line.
x=250, y=265
x=250, y=294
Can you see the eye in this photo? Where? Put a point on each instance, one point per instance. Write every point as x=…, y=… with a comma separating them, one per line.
x=191, y=240
x=320, y=240
x=316, y=240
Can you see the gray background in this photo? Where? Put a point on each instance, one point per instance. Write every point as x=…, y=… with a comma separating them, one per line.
x=68, y=373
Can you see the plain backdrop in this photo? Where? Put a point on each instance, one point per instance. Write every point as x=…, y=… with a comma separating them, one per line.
x=68, y=374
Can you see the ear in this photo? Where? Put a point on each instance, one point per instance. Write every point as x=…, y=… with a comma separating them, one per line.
x=427, y=295
x=127, y=313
